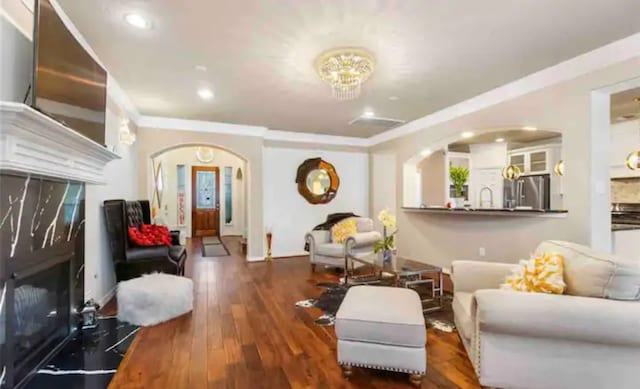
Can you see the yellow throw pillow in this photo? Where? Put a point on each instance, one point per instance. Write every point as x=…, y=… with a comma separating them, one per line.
x=341, y=231
x=541, y=274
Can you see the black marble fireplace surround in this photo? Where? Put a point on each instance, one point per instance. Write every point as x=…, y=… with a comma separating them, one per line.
x=41, y=270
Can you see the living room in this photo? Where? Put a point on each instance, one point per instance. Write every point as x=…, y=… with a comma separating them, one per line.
x=248, y=131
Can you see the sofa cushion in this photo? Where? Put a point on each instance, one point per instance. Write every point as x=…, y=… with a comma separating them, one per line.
x=590, y=273
x=364, y=224
x=385, y=315
x=461, y=306
x=330, y=249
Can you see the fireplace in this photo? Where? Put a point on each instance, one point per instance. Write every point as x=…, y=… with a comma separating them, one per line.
x=41, y=269
x=44, y=167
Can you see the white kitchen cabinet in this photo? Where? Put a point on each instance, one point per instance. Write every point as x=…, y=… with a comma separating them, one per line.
x=537, y=159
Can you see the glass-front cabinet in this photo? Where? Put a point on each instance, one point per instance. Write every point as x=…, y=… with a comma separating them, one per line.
x=518, y=160
x=538, y=162
x=535, y=160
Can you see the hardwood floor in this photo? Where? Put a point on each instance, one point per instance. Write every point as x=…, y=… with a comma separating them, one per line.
x=245, y=332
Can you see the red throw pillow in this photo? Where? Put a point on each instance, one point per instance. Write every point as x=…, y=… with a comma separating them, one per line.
x=150, y=235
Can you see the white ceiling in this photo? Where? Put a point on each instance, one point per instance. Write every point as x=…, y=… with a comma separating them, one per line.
x=260, y=53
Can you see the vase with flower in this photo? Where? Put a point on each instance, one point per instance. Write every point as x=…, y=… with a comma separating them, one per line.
x=387, y=244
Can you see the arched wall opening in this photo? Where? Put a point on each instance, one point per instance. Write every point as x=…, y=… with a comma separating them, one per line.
x=175, y=207
x=152, y=142
x=485, y=152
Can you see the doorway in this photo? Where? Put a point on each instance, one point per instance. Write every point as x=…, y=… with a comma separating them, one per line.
x=205, y=201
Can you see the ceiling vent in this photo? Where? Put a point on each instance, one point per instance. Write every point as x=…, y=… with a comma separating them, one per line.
x=375, y=123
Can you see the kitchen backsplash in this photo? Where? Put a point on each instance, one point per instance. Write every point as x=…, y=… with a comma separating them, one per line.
x=625, y=190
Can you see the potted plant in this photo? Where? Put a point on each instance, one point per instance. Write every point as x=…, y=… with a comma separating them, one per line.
x=387, y=244
x=458, y=176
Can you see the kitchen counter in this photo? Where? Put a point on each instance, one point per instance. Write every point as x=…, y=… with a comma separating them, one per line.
x=625, y=227
x=555, y=213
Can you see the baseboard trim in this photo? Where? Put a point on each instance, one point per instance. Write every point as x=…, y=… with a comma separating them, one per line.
x=107, y=297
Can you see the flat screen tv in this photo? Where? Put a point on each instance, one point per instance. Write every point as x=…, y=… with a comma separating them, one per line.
x=68, y=84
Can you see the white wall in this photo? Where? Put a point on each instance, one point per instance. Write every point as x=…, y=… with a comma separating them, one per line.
x=121, y=183
x=16, y=52
x=383, y=169
x=187, y=156
x=433, y=179
x=288, y=214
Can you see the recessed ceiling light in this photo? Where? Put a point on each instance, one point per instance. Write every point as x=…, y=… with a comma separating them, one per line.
x=368, y=113
x=205, y=93
x=138, y=21
x=200, y=68
x=467, y=134
x=425, y=152
x=530, y=128
x=499, y=140
x=393, y=98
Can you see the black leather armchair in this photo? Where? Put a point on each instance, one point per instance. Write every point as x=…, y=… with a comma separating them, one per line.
x=132, y=261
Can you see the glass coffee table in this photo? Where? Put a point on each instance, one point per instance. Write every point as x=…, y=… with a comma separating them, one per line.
x=403, y=272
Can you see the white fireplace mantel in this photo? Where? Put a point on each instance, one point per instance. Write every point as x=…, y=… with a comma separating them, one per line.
x=32, y=142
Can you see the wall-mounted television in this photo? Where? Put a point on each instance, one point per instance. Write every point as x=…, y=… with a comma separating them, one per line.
x=68, y=84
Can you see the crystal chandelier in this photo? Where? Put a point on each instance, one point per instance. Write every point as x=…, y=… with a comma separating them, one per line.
x=345, y=70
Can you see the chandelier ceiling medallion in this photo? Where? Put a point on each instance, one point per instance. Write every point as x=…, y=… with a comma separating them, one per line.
x=345, y=69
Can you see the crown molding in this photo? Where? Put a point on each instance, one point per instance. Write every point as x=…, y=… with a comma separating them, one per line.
x=165, y=123
x=306, y=137
x=616, y=52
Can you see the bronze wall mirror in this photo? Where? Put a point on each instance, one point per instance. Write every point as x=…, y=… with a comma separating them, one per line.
x=317, y=181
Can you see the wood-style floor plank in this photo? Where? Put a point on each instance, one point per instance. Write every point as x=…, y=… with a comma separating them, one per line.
x=245, y=332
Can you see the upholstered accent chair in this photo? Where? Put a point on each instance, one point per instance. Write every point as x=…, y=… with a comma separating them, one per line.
x=324, y=252
x=588, y=337
x=132, y=261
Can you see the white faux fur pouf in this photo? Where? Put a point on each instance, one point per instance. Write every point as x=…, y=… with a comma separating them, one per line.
x=154, y=298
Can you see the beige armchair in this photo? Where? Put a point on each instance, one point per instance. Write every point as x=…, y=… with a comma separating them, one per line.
x=323, y=252
x=588, y=338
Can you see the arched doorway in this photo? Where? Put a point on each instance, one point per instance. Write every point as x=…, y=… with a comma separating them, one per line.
x=200, y=189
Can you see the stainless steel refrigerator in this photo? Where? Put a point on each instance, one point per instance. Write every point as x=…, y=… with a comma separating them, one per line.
x=528, y=191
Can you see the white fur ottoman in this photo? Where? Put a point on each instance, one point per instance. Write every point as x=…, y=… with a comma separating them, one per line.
x=154, y=298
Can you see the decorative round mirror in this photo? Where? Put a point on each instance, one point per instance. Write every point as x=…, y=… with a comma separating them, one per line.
x=317, y=181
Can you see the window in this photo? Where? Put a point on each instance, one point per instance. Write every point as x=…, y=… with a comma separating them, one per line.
x=228, y=181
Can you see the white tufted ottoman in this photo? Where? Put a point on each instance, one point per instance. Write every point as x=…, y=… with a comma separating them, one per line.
x=382, y=328
x=154, y=298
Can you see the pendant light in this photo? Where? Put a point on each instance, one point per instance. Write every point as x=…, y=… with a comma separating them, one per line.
x=511, y=172
x=633, y=159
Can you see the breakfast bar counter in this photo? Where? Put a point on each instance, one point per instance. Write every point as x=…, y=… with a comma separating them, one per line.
x=518, y=212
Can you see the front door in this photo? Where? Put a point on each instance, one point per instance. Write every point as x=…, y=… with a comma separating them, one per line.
x=205, y=201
